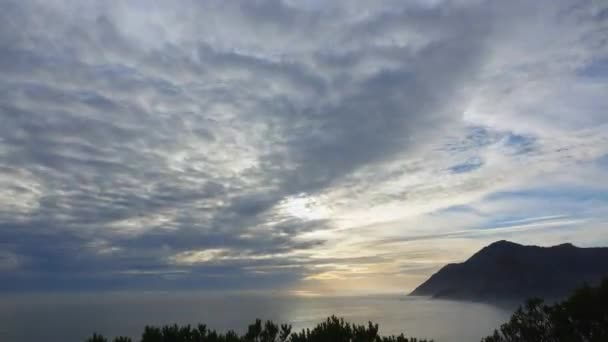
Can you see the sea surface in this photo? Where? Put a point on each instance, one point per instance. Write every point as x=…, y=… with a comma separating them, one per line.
x=72, y=318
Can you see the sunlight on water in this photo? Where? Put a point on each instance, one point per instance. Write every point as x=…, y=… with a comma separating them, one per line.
x=72, y=318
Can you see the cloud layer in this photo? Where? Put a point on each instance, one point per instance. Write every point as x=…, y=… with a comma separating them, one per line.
x=293, y=145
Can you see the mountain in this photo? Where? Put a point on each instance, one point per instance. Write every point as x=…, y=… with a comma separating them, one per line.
x=507, y=270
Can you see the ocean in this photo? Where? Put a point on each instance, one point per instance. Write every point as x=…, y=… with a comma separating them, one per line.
x=74, y=317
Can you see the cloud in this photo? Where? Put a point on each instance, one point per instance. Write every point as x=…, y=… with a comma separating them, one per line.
x=189, y=145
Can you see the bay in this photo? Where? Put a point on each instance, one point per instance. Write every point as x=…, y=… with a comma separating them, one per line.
x=74, y=317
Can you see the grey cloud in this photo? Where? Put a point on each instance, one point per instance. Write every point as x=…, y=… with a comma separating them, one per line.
x=151, y=135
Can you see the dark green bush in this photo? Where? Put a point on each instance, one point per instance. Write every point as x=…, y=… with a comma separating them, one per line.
x=331, y=330
x=582, y=317
x=96, y=338
x=122, y=339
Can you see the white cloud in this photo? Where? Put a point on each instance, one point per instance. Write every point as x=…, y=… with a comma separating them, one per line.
x=279, y=137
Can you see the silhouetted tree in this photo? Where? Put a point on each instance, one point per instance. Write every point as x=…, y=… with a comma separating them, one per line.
x=122, y=339
x=333, y=329
x=337, y=330
x=152, y=334
x=97, y=338
x=582, y=317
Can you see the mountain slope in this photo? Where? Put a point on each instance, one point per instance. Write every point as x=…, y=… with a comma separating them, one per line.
x=505, y=270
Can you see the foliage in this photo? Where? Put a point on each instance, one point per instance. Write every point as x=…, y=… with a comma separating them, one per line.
x=582, y=317
x=96, y=338
x=99, y=338
x=122, y=339
x=333, y=329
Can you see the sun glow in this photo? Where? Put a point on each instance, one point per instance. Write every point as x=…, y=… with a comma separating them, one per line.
x=305, y=207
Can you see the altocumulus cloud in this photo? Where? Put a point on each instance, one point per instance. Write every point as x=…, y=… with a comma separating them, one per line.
x=283, y=144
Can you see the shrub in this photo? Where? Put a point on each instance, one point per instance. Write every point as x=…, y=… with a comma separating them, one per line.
x=333, y=329
x=582, y=317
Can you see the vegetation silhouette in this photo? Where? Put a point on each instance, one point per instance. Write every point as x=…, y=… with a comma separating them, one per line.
x=333, y=329
x=583, y=317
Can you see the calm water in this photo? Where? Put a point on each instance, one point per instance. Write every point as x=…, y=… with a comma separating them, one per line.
x=70, y=318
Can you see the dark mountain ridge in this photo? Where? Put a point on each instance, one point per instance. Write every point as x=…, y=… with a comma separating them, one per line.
x=507, y=270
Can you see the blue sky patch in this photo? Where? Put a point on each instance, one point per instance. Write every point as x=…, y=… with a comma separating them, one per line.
x=595, y=69
x=521, y=144
x=470, y=165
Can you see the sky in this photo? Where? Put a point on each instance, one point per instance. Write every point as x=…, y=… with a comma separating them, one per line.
x=309, y=147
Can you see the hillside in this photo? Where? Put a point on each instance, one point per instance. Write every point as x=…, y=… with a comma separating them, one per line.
x=506, y=270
